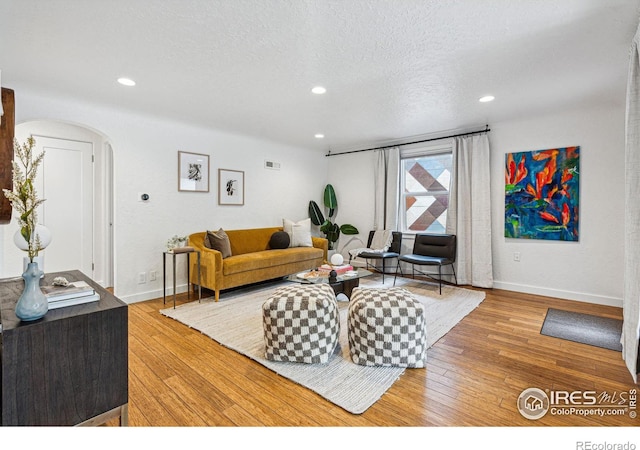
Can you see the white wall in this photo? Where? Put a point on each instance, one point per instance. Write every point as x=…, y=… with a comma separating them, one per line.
x=352, y=178
x=145, y=160
x=589, y=270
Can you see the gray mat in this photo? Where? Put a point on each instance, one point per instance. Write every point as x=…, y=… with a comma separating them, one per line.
x=598, y=331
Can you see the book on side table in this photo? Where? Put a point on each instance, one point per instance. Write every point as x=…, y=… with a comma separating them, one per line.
x=74, y=293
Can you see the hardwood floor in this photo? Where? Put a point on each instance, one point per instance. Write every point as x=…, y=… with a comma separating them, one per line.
x=474, y=375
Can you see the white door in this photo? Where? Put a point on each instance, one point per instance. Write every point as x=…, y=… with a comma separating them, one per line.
x=65, y=181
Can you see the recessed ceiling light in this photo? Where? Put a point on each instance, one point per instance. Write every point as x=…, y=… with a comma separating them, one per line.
x=319, y=135
x=486, y=98
x=126, y=82
x=319, y=90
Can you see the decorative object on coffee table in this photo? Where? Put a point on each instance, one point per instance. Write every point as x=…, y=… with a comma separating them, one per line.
x=32, y=304
x=343, y=283
x=337, y=259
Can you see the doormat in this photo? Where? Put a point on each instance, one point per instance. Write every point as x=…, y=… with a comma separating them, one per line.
x=587, y=329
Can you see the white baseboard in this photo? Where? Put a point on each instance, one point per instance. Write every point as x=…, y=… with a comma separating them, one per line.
x=566, y=295
x=527, y=289
x=149, y=295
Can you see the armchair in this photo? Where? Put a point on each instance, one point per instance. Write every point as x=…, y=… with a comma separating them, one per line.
x=431, y=250
x=392, y=252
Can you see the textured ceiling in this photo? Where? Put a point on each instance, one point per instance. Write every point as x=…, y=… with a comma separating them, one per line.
x=393, y=68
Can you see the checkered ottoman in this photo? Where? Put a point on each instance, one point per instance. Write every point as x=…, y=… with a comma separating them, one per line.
x=301, y=324
x=386, y=327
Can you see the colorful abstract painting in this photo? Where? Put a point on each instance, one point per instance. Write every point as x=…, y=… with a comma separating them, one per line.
x=542, y=194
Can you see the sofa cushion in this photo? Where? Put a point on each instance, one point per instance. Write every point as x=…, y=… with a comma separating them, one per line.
x=269, y=258
x=218, y=240
x=279, y=240
x=250, y=240
x=299, y=232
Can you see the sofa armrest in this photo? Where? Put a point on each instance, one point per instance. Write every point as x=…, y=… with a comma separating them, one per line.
x=322, y=244
x=210, y=263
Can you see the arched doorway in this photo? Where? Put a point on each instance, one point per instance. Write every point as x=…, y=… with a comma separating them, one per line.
x=76, y=180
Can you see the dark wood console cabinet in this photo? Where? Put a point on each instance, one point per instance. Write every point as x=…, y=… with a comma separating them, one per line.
x=68, y=368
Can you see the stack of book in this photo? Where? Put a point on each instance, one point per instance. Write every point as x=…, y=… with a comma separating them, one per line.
x=74, y=293
x=339, y=269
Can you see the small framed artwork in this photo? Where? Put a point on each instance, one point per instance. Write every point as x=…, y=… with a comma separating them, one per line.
x=193, y=172
x=230, y=187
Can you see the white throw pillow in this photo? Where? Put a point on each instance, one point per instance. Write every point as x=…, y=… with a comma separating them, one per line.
x=299, y=232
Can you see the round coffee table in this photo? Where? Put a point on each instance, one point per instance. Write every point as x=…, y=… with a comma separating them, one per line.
x=343, y=284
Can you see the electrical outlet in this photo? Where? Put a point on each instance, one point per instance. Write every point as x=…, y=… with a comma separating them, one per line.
x=153, y=275
x=142, y=278
x=516, y=256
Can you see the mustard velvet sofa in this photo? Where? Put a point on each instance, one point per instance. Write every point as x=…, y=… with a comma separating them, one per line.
x=251, y=259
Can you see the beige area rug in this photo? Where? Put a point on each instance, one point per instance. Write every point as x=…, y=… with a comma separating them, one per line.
x=236, y=322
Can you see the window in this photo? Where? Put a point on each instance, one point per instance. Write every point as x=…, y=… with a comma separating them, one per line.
x=425, y=174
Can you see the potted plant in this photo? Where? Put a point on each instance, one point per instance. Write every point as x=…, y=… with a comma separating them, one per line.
x=330, y=229
x=176, y=242
x=32, y=304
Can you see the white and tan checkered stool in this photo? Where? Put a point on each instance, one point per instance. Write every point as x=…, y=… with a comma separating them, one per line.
x=301, y=324
x=386, y=327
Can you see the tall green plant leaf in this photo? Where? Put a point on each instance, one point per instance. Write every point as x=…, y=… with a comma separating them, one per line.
x=348, y=229
x=330, y=200
x=315, y=213
x=332, y=231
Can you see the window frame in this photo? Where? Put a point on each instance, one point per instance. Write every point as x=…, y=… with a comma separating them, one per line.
x=416, y=152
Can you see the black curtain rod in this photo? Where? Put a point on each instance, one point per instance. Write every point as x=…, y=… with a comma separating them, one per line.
x=486, y=129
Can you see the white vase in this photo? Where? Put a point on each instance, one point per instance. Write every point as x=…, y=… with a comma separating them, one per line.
x=43, y=233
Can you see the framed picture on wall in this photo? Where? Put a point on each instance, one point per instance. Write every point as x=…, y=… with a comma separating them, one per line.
x=230, y=187
x=193, y=172
x=542, y=194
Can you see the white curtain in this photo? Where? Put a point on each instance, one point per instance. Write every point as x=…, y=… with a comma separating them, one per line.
x=631, y=293
x=387, y=172
x=469, y=212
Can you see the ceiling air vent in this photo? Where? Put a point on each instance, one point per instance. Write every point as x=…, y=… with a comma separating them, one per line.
x=271, y=165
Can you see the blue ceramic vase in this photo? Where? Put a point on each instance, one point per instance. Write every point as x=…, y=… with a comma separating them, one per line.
x=32, y=304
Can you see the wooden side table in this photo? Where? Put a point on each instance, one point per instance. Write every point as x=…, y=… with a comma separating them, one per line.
x=164, y=275
x=68, y=368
